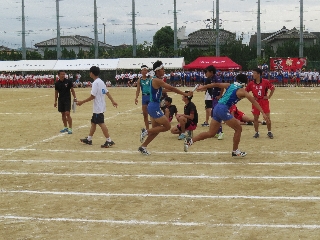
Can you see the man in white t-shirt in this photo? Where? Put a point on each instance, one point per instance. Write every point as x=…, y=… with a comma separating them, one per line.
x=98, y=93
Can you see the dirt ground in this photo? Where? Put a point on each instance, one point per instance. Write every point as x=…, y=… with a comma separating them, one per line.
x=54, y=187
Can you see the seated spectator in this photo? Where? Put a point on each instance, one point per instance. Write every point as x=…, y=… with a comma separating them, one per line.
x=170, y=109
x=188, y=120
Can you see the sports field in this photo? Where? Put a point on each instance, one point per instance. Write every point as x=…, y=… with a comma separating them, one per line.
x=54, y=187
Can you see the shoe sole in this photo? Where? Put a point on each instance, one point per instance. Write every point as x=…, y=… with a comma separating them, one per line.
x=85, y=142
x=107, y=146
x=240, y=155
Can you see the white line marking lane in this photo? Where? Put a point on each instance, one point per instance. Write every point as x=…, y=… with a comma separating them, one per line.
x=158, y=176
x=169, y=163
x=145, y=195
x=154, y=223
x=134, y=151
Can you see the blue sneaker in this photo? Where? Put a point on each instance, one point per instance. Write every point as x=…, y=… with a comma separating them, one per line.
x=69, y=130
x=64, y=130
x=182, y=136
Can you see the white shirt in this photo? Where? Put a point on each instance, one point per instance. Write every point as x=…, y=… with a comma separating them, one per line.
x=99, y=90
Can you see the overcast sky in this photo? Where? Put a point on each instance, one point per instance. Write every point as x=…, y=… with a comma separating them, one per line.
x=77, y=18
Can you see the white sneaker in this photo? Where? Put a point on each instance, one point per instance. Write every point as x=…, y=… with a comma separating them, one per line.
x=143, y=134
x=220, y=137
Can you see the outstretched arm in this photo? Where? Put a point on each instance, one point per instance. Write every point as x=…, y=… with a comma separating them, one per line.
x=245, y=94
x=79, y=103
x=159, y=83
x=212, y=85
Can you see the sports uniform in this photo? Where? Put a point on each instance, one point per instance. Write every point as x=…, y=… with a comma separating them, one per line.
x=259, y=91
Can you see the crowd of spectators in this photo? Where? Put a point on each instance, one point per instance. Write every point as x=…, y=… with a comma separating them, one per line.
x=181, y=77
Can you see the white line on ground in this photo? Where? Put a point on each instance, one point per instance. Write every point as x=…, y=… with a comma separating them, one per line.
x=158, y=176
x=128, y=162
x=144, y=195
x=169, y=223
x=59, y=135
x=153, y=152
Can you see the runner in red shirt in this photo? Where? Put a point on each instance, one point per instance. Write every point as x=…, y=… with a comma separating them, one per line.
x=259, y=88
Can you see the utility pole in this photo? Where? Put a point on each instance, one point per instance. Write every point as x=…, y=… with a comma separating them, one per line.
x=301, y=30
x=104, y=33
x=217, y=30
x=213, y=21
x=175, y=38
x=23, y=33
x=258, y=32
x=96, y=44
x=134, y=34
x=58, y=31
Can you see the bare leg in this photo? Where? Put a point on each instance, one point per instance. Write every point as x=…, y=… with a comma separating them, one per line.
x=69, y=119
x=104, y=130
x=92, y=129
x=145, y=116
x=208, y=114
x=64, y=119
x=213, y=129
x=234, y=124
x=161, y=124
x=256, y=122
x=268, y=123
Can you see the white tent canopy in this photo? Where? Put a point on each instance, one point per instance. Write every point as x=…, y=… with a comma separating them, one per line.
x=27, y=65
x=136, y=63
x=85, y=64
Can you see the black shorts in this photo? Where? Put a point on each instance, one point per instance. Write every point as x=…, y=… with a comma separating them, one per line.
x=97, y=118
x=64, y=105
x=208, y=104
x=188, y=124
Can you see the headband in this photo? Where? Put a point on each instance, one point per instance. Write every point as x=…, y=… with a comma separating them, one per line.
x=144, y=68
x=158, y=68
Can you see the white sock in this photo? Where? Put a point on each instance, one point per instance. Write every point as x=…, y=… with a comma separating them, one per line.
x=89, y=138
x=109, y=139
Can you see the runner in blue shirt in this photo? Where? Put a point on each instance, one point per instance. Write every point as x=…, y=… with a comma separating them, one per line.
x=143, y=84
x=160, y=123
x=233, y=94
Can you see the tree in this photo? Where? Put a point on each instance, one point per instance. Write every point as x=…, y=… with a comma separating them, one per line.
x=50, y=54
x=81, y=54
x=288, y=49
x=33, y=55
x=164, y=38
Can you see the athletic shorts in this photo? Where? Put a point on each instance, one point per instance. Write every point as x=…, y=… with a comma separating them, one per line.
x=154, y=110
x=214, y=102
x=97, y=118
x=208, y=104
x=221, y=113
x=264, y=104
x=145, y=99
x=64, y=105
x=239, y=116
x=189, y=125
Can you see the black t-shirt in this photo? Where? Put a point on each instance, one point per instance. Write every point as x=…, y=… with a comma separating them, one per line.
x=63, y=87
x=172, y=110
x=189, y=109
